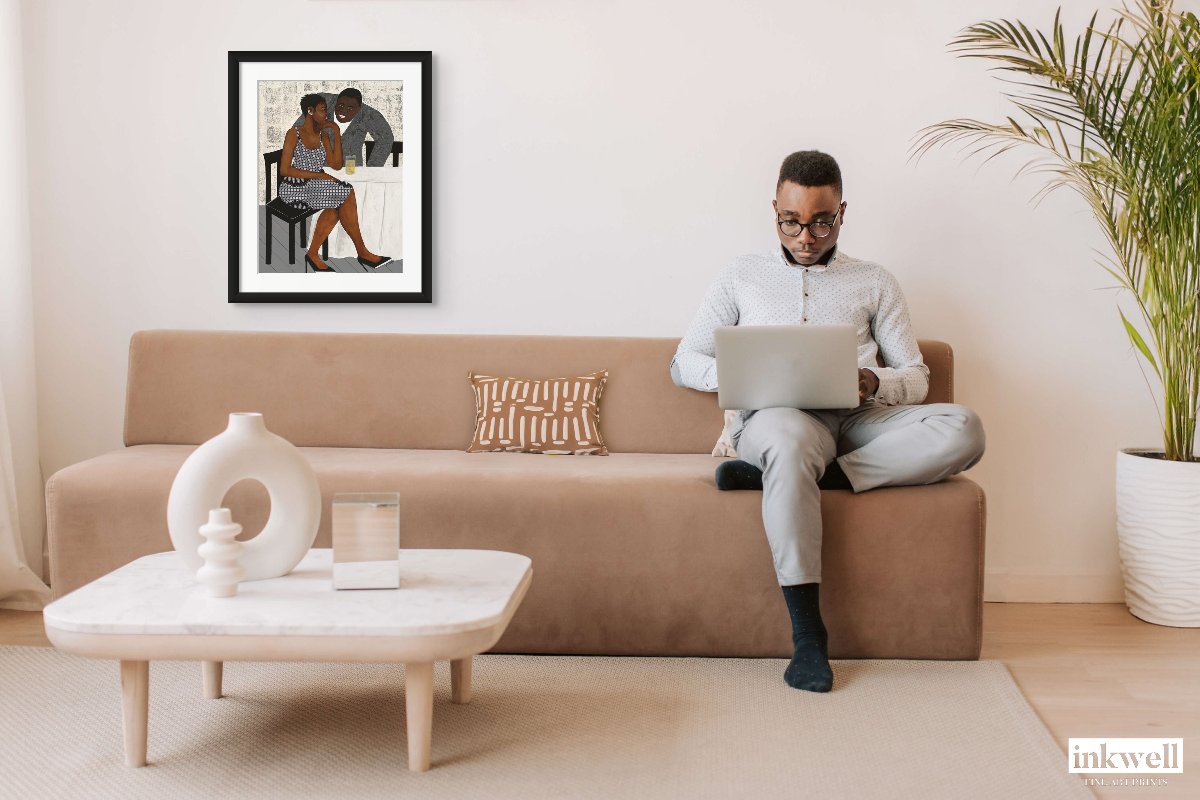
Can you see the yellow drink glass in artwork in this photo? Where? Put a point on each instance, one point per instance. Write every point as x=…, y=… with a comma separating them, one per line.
x=350, y=165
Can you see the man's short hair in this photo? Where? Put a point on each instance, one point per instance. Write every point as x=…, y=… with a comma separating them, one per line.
x=811, y=168
x=310, y=101
x=355, y=94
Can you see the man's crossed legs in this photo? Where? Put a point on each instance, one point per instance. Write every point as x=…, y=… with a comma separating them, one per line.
x=903, y=445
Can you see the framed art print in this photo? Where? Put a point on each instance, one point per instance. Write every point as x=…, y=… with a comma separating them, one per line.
x=330, y=159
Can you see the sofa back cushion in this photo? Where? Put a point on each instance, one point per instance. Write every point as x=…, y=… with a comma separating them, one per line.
x=410, y=391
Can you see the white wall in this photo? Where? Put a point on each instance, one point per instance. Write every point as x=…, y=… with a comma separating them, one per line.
x=626, y=149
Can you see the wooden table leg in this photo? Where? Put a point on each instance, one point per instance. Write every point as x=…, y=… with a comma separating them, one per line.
x=460, y=680
x=418, y=699
x=135, y=710
x=212, y=672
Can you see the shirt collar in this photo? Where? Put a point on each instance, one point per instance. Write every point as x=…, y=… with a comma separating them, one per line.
x=834, y=259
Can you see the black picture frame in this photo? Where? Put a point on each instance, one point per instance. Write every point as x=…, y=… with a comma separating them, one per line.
x=264, y=280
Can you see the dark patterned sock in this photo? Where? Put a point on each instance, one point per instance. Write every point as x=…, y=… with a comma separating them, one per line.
x=809, y=669
x=738, y=475
x=732, y=475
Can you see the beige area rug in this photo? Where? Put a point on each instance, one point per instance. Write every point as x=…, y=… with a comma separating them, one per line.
x=538, y=726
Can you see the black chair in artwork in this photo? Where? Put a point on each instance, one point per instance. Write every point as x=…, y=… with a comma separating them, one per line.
x=397, y=149
x=289, y=214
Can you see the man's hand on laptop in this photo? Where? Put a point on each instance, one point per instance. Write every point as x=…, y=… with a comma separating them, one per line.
x=868, y=384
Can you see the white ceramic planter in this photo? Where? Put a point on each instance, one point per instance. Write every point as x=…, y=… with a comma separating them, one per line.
x=248, y=450
x=1158, y=533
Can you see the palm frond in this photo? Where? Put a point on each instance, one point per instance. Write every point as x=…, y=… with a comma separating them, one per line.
x=1115, y=117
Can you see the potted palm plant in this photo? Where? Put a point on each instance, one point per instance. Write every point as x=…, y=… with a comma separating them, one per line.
x=1115, y=116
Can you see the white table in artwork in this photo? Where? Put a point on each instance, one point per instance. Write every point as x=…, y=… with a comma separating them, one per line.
x=379, y=192
x=451, y=605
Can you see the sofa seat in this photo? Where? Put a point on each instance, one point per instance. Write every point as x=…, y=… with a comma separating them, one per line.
x=633, y=553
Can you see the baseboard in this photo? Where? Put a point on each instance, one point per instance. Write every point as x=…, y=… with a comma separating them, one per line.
x=1011, y=587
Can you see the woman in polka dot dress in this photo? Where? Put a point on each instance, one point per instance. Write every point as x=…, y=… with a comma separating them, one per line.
x=305, y=184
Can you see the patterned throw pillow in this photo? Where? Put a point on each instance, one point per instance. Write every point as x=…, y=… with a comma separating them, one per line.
x=724, y=447
x=556, y=416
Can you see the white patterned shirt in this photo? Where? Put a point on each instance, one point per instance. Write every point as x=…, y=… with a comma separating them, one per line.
x=768, y=289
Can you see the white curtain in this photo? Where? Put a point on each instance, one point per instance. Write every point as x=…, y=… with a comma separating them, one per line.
x=20, y=588
x=22, y=523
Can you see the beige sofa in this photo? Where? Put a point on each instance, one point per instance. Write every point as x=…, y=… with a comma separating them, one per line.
x=634, y=553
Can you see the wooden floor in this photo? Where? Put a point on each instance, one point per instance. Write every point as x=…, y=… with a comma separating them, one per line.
x=1096, y=670
x=1088, y=670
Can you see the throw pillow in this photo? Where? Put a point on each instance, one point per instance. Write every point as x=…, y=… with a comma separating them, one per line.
x=724, y=447
x=521, y=415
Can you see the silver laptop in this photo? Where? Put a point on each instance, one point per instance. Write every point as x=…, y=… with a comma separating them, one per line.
x=789, y=366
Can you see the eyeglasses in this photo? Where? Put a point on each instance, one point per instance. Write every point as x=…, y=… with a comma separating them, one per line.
x=819, y=229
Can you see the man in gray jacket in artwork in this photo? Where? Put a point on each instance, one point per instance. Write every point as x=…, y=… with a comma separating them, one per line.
x=356, y=120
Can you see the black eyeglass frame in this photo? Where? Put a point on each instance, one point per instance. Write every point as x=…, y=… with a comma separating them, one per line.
x=803, y=225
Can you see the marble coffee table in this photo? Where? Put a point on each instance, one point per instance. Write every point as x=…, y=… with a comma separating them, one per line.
x=451, y=605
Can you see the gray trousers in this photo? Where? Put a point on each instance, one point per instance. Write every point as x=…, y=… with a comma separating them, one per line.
x=875, y=445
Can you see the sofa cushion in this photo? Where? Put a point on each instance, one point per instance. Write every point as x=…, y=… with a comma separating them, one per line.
x=635, y=554
x=555, y=416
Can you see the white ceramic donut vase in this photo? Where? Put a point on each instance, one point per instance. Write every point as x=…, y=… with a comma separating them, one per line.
x=248, y=450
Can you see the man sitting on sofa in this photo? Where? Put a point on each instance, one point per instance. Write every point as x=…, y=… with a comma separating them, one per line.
x=888, y=440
